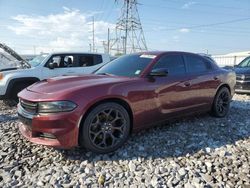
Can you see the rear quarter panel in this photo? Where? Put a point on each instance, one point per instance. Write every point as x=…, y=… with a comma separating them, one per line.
x=227, y=77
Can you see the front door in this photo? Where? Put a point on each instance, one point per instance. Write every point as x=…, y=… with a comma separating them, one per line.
x=172, y=93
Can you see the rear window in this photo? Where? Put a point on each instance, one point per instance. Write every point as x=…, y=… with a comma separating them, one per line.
x=88, y=60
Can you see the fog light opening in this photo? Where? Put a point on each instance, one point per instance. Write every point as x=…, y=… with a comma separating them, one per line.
x=46, y=135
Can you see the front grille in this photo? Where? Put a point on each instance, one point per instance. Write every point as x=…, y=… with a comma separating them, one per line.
x=242, y=77
x=29, y=106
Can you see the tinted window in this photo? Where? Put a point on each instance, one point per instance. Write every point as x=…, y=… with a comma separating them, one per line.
x=128, y=65
x=88, y=60
x=196, y=64
x=97, y=59
x=173, y=63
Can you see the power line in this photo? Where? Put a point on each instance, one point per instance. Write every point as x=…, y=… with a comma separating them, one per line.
x=210, y=25
x=209, y=5
x=191, y=11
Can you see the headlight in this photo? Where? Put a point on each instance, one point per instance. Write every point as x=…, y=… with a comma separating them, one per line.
x=56, y=106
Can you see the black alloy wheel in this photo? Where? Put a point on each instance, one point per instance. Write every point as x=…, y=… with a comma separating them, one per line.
x=106, y=128
x=221, y=103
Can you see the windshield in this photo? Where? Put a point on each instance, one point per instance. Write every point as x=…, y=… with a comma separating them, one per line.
x=127, y=65
x=245, y=63
x=37, y=60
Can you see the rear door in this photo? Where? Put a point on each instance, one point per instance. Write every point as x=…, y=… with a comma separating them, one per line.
x=202, y=81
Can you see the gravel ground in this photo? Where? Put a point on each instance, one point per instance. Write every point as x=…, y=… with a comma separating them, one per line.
x=197, y=151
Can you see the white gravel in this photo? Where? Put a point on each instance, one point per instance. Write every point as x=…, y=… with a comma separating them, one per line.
x=199, y=151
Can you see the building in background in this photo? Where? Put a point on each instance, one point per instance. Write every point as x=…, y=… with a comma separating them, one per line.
x=231, y=59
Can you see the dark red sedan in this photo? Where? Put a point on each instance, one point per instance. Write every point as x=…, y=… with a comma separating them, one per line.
x=133, y=92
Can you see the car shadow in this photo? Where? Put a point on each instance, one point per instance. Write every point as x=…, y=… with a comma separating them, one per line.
x=187, y=136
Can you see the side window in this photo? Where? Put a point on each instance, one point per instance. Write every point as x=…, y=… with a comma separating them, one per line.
x=97, y=59
x=196, y=64
x=86, y=60
x=173, y=63
x=63, y=61
x=56, y=61
x=89, y=60
x=68, y=61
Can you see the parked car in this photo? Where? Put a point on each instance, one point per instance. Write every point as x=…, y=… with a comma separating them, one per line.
x=131, y=93
x=14, y=79
x=243, y=76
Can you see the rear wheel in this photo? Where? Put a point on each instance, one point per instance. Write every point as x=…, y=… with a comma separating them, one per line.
x=221, y=103
x=106, y=128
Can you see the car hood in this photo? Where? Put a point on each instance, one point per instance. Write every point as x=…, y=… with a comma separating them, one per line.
x=242, y=70
x=9, y=63
x=65, y=84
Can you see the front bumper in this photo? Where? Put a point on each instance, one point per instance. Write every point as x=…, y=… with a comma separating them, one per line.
x=242, y=87
x=57, y=130
x=2, y=93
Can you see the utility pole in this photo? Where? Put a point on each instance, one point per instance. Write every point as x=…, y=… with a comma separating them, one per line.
x=129, y=32
x=90, y=47
x=108, y=41
x=93, y=37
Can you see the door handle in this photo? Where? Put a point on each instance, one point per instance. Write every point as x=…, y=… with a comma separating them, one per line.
x=187, y=84
x=70, y=72
x=216, y=78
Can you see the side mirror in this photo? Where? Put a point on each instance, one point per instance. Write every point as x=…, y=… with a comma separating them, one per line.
x=52, y=65
x=158, y=73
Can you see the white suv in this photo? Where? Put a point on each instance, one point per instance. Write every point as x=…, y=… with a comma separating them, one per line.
x=13, y=80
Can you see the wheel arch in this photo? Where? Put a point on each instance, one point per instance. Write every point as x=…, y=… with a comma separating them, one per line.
x=117, y=100
x=15, y=81
x=224, y=85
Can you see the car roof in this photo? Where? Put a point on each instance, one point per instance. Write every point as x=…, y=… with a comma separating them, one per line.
x=76, y=52
x=166, y=52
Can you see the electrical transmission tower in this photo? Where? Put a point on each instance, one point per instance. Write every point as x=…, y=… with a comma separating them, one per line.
x=129, y=33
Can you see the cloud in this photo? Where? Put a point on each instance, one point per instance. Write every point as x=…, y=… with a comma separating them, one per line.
x=176, y=38
x=188, y=5
x=184, y=30
x=69, y=30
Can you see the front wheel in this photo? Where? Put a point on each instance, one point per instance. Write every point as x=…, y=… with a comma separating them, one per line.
x=221, y=103
x=13, y=98
x=106, y=128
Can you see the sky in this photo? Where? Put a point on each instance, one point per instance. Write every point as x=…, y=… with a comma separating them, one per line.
x=214, y=26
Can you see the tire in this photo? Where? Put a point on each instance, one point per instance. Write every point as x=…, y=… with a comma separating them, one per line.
x=105, y=128
x=221, y=104
x=10, y=103
x=13, y=100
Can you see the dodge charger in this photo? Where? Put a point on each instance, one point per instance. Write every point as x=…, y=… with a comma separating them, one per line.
x=99, y=111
